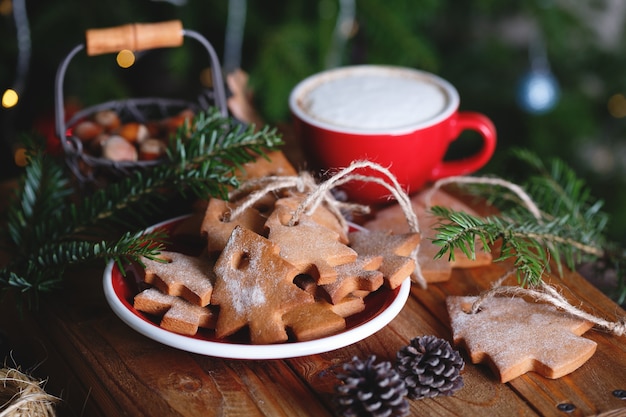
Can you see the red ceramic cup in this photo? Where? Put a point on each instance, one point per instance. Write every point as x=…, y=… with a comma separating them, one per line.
x=400, y=118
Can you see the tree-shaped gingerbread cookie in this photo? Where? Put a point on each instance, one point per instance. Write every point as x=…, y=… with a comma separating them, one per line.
x=513, y=336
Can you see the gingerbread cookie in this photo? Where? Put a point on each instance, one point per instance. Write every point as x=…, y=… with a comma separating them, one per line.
x=273, y=164
x=320, y=215
x=395, y=250
x=313, y=321
x=177, y=315
x=181, y=275
x=513, y=336
x=360, y=275
x=350, y=304
x=217, y=224
x=254, y=287
x=312, y=248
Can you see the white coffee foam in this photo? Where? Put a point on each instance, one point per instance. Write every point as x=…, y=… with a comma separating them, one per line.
x=375, y=100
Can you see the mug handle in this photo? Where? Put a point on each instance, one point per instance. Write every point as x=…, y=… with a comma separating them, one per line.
x=485, y=127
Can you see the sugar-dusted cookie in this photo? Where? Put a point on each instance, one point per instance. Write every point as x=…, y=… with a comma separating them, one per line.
x=181, y=275
x=362, y=274
x=254, y=286
x=513, y=336
x=273, y=164
x=177, y=315
x=394, y=248
x=217, y=224
x=313, y=321
x=322, y=215
x=312, y=248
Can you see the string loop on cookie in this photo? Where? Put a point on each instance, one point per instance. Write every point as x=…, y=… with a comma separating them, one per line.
x=258, y=188
x=548, y=294
x=392, y=185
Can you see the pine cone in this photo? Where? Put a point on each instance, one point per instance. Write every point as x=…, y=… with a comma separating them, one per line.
x=370, y=389
x=430, y=367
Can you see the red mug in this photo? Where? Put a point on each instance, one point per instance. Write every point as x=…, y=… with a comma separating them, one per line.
x=400, y=118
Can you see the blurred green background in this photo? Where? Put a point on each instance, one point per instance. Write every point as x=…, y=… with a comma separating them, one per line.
x=484, y=47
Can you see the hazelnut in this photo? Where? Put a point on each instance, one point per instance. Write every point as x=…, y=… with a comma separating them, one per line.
x=87, y=130
x=134, y=132
x=116, y=148
x=173, y=123
x=154, y=128
x=108, y=119
x=151, y=149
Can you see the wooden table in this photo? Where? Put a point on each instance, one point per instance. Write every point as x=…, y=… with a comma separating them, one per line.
x=101, y=367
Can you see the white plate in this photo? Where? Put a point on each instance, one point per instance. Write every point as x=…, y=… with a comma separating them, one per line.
x=382, y=306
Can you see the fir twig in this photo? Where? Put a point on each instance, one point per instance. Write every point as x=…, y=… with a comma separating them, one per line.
x=569, y=230
x=48, y=229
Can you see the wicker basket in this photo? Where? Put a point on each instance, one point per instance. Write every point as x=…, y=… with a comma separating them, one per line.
x=134, y=37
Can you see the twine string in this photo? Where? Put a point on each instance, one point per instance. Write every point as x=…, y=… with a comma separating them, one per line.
x=548, y=294
x=393, y=186
x=318, y=194
x=417, y=276
x=516, y=189
x=267, y=185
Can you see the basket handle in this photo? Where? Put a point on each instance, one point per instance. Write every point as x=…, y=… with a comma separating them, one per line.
x=134, y=36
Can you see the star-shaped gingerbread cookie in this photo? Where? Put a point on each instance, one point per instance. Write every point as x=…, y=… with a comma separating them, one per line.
x=177, y=315
x=360, y=275
x=217, y=224
x=313, y=248
x=394, y=248
x=181, y=275
x=513, y=336
x=254, y=286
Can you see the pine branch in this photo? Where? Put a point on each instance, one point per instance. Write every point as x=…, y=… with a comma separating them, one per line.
x=43, y=190
x=570, y=229
x=530, y=244
x=49, y=230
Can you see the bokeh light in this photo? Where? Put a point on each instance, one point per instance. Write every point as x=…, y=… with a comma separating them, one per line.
x=617, y=106
x=125, y=58
x=538, y=92
x=9, y=98
x=20, y=157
